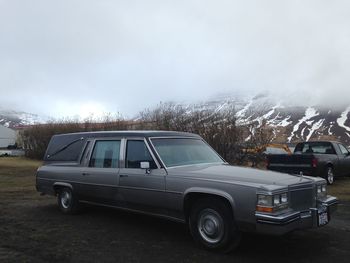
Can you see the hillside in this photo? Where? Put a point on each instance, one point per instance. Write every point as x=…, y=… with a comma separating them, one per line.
x=14, y=119
x=289, y=123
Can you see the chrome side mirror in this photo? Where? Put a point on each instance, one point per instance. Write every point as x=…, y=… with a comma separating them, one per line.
x=146, y=166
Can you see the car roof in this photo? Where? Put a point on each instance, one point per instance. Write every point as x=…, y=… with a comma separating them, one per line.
x=133, y=133
x=320, y=142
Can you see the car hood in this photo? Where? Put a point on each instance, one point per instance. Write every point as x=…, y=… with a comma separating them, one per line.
x=234, y=174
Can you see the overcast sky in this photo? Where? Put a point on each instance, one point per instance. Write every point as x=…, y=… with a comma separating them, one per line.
x=68, y=57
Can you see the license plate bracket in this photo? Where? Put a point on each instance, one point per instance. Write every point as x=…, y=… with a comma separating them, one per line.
x=322, y=216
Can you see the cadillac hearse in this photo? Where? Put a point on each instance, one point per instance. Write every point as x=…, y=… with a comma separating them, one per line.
x=178, y=176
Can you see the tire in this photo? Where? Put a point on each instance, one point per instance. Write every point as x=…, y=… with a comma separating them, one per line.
x=212, y=226
x=329, y=175
x=67, y=201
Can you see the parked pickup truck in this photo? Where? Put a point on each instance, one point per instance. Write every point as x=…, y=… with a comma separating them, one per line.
x=325, y=159
x=179, y=176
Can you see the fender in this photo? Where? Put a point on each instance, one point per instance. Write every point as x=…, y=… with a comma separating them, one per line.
x=211, y=191
x=62, y=184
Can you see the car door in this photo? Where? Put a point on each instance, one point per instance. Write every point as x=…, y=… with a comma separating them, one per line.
x=344, y=160
x=141, y=189
x=99, y=177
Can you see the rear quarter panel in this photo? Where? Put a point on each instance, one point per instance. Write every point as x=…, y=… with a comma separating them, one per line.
x=48, y=175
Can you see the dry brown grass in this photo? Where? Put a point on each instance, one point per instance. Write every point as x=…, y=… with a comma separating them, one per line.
x=341, y=189
x=17, y=175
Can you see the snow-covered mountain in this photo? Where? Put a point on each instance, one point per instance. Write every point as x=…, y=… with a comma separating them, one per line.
x=15, y=119
x=289, y=123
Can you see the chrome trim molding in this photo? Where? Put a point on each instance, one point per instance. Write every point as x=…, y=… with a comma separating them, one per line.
x=136, y=211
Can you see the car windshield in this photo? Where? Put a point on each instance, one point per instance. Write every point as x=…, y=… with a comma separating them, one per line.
x=185, y=151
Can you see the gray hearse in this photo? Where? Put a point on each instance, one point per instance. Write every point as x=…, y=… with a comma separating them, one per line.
x=178, y=176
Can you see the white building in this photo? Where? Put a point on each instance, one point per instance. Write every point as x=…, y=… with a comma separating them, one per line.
x=7, y=136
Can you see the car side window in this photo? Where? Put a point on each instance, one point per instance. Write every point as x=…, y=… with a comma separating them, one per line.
x=343, y=149
x=137, y=152
x=105, y=154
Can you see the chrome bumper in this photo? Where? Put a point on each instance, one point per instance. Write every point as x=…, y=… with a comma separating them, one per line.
x=293, y=220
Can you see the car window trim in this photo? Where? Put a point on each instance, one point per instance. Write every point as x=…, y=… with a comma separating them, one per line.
x=93, y=145
x=85, y=152
x=148, y=148
x=184, y=137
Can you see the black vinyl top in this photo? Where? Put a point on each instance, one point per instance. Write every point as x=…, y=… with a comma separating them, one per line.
x=68, y=147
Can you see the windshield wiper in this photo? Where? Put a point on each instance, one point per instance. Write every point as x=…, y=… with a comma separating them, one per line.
x=64, y=147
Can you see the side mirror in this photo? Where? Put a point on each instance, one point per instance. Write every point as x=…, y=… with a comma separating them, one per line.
x=146, y=166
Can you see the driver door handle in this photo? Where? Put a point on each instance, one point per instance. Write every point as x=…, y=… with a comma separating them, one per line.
x=124, y=175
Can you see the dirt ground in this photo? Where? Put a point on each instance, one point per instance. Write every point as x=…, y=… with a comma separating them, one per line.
x=33, y=230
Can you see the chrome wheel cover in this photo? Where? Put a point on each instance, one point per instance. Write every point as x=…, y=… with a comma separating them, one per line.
x=210, y=226
x=66, y=199
x=330, y=175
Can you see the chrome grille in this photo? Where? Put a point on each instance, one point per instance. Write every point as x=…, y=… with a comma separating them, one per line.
x=302, y=197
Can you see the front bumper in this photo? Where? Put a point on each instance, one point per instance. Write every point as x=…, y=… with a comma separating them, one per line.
x=293, y=220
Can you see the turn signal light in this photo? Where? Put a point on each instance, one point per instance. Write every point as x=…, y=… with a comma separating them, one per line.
x=265, y=209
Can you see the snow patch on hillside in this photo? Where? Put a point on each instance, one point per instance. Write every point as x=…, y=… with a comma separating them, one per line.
x=342, y=119
x=285, y=122
x=314, y=128
x=267, y=115
x=309, y=114
x=242, y=112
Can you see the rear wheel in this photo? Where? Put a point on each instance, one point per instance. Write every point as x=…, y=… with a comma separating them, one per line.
x=212, y=226
x=67, y=201
x=329, y=176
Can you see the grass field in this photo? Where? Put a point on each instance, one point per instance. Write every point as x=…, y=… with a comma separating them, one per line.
x=17, y=174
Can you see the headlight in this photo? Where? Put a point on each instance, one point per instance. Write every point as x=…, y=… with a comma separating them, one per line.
x=265, y=200
x=272, y=203
x=321, y=191
x=277, y=200
x=284, y=198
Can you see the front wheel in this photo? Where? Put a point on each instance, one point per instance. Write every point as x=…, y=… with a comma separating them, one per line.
x=67, y=201
x=212, y=226
x=329, y=175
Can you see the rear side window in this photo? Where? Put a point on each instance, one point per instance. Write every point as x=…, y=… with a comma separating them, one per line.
x=315, y=147
x=137, y=152
x=105, y=154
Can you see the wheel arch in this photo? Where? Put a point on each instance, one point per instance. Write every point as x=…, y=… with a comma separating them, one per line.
x=329, y=164
x=58, y=185
x=193, y=194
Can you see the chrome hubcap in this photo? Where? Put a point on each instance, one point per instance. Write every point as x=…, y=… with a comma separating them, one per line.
x=210, y=226
x=66, y=199
x=330, y=175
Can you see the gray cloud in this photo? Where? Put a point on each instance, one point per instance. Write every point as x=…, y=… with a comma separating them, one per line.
x=61, y=57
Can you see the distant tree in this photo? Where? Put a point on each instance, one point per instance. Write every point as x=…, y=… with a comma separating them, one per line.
x=218, y=128
x=259, y=136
